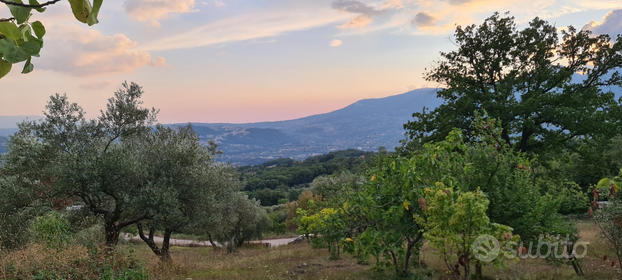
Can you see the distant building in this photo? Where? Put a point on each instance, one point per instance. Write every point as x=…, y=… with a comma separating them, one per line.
x=363, y=156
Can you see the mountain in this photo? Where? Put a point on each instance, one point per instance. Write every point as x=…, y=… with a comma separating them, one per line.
x=8, y=124
x=3, y=143
x=365, y=125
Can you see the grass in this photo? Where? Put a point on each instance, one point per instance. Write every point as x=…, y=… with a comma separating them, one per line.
x=300, y=261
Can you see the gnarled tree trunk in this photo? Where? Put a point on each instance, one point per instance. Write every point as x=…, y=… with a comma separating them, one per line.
x=164, y=252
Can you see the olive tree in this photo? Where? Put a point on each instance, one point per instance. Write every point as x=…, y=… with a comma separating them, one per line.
x=242, y=219
x=93, y=163
x=186, y=184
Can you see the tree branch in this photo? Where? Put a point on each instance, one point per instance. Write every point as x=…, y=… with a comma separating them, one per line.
x=29, y=6
x=6, y=19
x=124, y=224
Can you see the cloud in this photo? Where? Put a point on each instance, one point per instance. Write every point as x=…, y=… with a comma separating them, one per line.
x=356, y=22
x=335, y=43
x=365, y=12
x=153, y=10
x=355, y=7
x=393, y=4
x=247, y=26
x=611, y=24
x=219, y=4
x=96, y=85
x=158, y=61
x=459, y=2
x=75, y=50
x=423, y=19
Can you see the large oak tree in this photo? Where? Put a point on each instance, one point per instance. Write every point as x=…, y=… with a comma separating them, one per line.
x=545, y=88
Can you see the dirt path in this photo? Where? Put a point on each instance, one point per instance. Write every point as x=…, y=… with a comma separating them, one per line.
x=186, y=242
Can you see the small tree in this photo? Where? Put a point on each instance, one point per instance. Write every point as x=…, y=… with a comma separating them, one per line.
x=242, y=219
x=184, y=180
x=304, y=201
x=454, y=221
x=609, y=220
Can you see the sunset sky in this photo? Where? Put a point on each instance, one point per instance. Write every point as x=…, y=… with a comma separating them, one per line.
x=259, y=60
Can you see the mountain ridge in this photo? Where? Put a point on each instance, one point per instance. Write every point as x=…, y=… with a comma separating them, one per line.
x=366, y=125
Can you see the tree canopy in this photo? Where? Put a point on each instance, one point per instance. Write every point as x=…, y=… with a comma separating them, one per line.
x=544, y=90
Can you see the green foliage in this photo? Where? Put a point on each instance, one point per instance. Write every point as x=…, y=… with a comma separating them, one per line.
x=607, y=186
x=293, y=174
x=268, y=197
x=278, y=222
x=485, y=183
x=242, y=219
x=515, y=75
x=52, y=230
x=609, y=221
x=86, y=12
x=17, y=43
x=332, y=186
x=65, y=158
x=306, y=202
x=454, y=220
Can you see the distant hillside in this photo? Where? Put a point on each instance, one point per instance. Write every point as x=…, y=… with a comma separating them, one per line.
x=285, y=178
x=3, y=142
x=10, y=122
x=364, y=125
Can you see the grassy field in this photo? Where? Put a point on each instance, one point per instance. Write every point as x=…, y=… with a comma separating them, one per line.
x=300, y=261
x=254, y=261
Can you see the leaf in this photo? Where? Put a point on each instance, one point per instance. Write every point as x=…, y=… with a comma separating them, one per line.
x=35, y=39
x=84, y=12
x=28, y=67
x=21, y=14
x=374, y=177
x=96, y=6
x=39, y=29
x=14, y=53
x=10, y=30
x=5, y=67
x=35, y=2
x=406, y=204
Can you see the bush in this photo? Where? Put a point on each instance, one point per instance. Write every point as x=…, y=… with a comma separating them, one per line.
x=51, y=230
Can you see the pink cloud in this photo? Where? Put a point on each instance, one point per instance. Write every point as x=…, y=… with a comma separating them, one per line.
x=611, y=24
x=96, y=85
x=153, y=10
x=356, y=22
x=75, y=50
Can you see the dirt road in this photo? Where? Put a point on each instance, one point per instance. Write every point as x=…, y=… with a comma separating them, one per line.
x=174, y=241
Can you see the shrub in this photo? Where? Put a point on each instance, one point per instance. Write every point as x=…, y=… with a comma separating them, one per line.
x=51, y=229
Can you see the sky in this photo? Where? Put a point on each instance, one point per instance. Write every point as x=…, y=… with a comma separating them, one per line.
x=241, y=61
